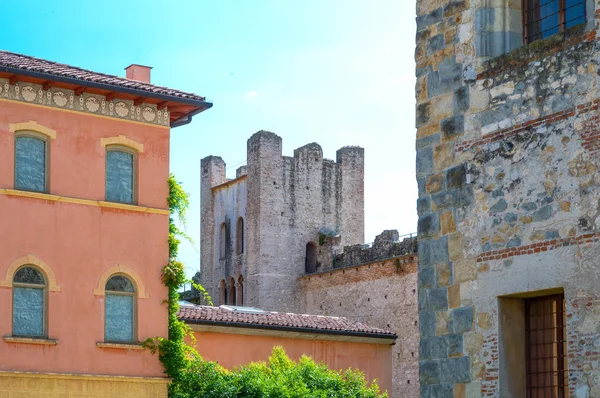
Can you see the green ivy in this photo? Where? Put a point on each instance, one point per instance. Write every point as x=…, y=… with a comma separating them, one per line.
x=173, y=352
x=194, y=377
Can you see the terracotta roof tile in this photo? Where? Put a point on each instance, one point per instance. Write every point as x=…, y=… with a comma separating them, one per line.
x=208, y=315
x=38, y=65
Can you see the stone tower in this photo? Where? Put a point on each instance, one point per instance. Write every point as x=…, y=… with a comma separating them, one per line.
x=507, y=158
x=282, y=204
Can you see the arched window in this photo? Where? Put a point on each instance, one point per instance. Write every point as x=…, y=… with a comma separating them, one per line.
x=120, y=311
x=311, y=258
x=240, y=291
x=29, y=303
x=120, y=174
x=231, y=299
x=31, y=162
x=239, y=233
x=222, y=293
x=223, y=241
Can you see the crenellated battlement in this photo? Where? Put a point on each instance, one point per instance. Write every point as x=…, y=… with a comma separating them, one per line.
x=284, y=201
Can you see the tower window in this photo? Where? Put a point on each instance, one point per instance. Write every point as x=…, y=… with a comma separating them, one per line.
x=311, y=258
x=544, y=18
x=223, y=241
x=239, y=233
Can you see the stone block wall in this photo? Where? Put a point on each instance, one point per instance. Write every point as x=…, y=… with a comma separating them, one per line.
x=287, y=202
x=382, y=294
x=222, y=202
x=386, y=245
x=508, y=190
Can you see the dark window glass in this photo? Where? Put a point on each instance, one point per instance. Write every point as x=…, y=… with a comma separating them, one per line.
x=239, y=244
x=119, y=284
x=119, y=176
x=311, y=258
x=574, y=12
x=29, y=275
x=223, y=241
x=545, y=18
x=30, y=164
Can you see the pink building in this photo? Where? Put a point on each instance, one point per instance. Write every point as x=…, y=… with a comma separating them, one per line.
x=84, y=160
x=236, y=336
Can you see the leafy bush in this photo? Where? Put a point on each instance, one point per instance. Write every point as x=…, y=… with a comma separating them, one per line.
x=280, y=377
x=194, y=377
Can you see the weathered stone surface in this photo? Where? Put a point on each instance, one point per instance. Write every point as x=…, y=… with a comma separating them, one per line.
x=456, y=176
x=427, y=323
x=433, y=251
x=455, y=345
x=521, y=180
x=453, y=296
x=447, y=222
x=453, y=126
x=441, y=322
x=425, y=161
x=433, y=348
x=455, y=370
x=464, y=270
x=423, y=205
x=461, y=319
x=436, y=299
x=435, y=183
x=427, y=278
x=429, y=372
x=444, y=274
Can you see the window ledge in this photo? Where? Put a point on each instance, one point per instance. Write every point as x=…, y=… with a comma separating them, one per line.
x=86, y=202
x=30, y=340
x=120, y=346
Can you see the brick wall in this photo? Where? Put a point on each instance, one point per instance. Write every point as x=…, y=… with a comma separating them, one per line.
x=382, y=294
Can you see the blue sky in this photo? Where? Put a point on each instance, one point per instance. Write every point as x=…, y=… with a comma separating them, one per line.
x=335, y=72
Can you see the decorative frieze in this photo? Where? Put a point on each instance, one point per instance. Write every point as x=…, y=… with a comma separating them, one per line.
x=85, y=102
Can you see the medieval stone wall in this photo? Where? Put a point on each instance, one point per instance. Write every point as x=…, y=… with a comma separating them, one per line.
x=508, y=193
x=381, y=294
x=287, y=201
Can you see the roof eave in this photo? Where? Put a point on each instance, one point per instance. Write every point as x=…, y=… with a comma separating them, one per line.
x=291, y=329
x=186, y=119
x=201, y=105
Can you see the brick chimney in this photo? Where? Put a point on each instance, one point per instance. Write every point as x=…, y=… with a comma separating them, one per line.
x=140, y=73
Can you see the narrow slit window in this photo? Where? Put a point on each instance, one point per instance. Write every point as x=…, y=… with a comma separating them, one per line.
x=120, y=175
x=223, y=241
x=222, y=293
x=544, y=18
x=31, y=157
x=240, y=291
x=311, y=258
x=239, y=233
x=231, y=299
x=29, y=303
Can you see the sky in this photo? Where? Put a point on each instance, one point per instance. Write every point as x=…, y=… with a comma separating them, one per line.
x=335, y=72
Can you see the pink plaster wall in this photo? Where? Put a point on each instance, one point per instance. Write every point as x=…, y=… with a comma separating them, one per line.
x=230, y=350
x=81, y=242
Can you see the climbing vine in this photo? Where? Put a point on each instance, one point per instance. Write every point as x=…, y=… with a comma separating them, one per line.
x=194, y=377
x=173, y=352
